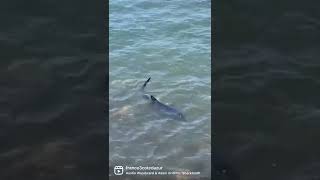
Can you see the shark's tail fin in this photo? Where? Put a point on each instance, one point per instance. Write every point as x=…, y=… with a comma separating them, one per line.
x=145, y=83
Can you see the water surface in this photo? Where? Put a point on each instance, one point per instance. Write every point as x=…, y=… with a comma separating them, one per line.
x=168, y=41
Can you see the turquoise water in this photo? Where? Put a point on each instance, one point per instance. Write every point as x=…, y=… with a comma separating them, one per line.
x=168, y=41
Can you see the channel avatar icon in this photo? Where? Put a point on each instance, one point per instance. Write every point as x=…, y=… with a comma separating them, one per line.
x=118, y=170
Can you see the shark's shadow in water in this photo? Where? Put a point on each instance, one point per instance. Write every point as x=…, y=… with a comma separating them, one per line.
x=161, y=107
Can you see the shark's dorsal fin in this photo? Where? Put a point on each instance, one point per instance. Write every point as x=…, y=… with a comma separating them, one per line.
x=153, y=98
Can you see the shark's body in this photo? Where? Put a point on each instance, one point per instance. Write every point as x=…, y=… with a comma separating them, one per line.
x=167, y=110
x=160, y=107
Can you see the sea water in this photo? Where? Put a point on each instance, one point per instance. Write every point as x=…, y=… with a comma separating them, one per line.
x=169, y=41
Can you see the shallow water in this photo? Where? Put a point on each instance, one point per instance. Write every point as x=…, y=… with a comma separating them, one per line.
x=168, y=41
